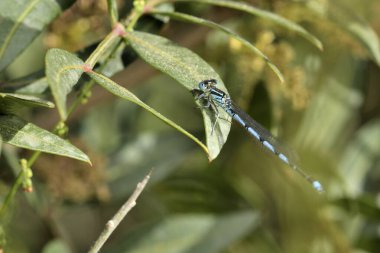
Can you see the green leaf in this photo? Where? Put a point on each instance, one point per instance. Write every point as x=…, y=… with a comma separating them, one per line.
x=20, y=133
x=194, y=233
x=188, y=69
x=63, y=71
x=166, y=151
x=201, y=21
x=37, y=87
x=357, y=27
x=21, y=21
x=28, y=100
x=361, y=155
x=56, y=246
x=119, y=91
x=294, y=27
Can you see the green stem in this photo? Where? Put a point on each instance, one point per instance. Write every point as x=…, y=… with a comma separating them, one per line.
x=33, y=158
x=88, y=85
x=12, y=192
x=112, y=11
x=99, y=51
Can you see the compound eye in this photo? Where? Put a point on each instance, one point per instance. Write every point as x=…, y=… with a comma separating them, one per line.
x=202, y=85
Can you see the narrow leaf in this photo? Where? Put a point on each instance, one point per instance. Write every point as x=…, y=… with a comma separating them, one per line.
x=20, y=133
x=200, y=21
x=28, y=100
x=188, y=69
x=63, y=71
x=21, y=21
x=120, y=91
x=294, y=27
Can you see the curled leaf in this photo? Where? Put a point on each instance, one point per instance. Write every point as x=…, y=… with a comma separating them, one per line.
x=63, y=71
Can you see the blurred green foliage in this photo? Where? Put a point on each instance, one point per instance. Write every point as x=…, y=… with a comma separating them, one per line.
x=246, y=200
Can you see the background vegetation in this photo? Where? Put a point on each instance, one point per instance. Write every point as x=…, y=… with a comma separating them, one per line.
x=245, y=200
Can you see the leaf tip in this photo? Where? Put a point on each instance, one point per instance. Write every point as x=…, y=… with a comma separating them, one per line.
x=50, y=104
x=86, y=159
x=276, y=71
x=319, y=45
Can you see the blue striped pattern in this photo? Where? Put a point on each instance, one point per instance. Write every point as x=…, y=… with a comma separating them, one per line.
x=216, y=97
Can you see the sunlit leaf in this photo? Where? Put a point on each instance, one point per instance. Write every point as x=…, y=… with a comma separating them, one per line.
x=20, y=133
x=188, y=69
x=21, y=21
x=291, y=26
x=119, y=91
x=192, y=233
x=201, y=21
x=63, y=71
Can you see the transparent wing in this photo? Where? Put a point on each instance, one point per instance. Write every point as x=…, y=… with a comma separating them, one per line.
x=265, y=134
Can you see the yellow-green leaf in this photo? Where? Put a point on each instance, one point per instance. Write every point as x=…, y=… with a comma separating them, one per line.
x=201, y=21
x=188, y=69
x=18, y=132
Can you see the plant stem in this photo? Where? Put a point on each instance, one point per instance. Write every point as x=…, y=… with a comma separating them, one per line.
x=119, y=216
x=112, y=11
x=100, y=50
x=111, y=39
x=12, y=192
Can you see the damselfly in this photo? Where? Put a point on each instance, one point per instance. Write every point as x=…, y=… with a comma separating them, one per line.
x=214, y=98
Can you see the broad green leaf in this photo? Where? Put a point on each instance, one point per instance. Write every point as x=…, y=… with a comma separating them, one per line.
x=63, y=71
x=294, y=27
x=25, y=99
x=20, y=133
x=119, y=91
x=188, y=69
x=201, y=21
x=21, y=21
x=178, y=62
x=192, y=233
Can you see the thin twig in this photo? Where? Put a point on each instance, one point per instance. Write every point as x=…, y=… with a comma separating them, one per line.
x=119, y=216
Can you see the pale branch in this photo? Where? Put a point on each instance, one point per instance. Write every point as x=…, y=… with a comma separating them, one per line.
x=119, y=216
